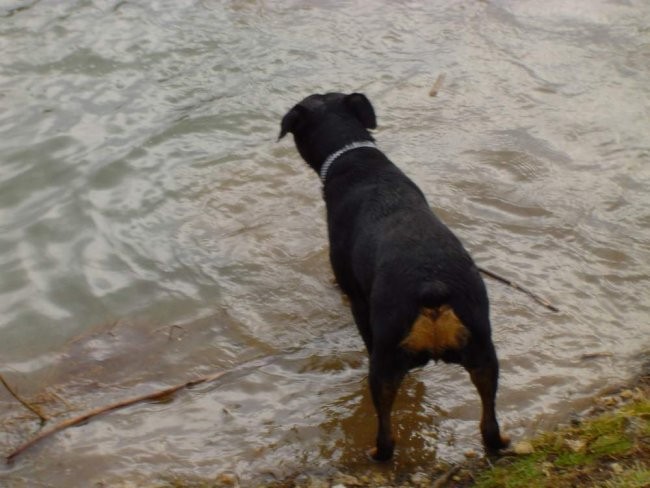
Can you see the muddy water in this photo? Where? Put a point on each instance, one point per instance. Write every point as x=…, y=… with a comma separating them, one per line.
x=152, y=231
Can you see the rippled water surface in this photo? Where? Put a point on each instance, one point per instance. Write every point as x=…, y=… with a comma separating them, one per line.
x=152, y=230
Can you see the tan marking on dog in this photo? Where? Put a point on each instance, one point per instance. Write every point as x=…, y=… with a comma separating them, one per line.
x=436, y=330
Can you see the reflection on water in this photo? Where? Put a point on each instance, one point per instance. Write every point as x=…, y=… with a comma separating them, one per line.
x=151, y=230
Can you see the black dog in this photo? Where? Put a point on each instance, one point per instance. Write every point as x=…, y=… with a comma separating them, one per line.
x=415, y=292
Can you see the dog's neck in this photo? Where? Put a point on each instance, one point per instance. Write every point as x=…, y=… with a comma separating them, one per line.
x=327, y=164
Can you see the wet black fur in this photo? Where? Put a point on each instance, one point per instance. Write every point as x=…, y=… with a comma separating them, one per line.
x=392, y=256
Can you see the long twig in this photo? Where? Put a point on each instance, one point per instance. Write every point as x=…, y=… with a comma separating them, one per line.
x=512, y=284
x=255, y=363
x=24, y=403
x=107, y=408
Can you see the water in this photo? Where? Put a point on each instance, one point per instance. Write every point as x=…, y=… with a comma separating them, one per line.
x=152, y=230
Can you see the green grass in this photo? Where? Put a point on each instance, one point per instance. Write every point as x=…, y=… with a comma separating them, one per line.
x=527, y=472
x=612, y=450
x=636, y=477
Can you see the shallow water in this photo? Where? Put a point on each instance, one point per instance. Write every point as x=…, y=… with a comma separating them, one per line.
x=152, y=230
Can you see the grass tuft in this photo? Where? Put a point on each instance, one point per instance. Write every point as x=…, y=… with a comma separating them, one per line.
x=611, y=450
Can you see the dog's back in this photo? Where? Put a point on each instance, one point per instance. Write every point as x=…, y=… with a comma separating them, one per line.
x=383, y=231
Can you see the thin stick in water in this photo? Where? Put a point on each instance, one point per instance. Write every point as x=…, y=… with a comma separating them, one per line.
x=107, y=408
x=512, y=284
x=252, y=364
x=445, y=478
x=437, y=85
x=24, y=403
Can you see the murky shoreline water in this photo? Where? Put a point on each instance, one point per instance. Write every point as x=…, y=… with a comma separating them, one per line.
x=152, y=230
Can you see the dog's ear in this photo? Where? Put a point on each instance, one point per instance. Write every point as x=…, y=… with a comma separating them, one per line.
x=362, y=109
x=291, y=121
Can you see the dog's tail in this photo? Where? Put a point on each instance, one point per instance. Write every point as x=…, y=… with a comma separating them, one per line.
x=433, y=294
x=473, y=313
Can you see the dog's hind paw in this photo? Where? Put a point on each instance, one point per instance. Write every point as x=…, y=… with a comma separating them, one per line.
x=379, y=456
x=505, y=441
x=499, y=444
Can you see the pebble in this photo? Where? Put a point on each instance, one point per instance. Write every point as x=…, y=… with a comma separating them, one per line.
x=626, y=394
x=609, y=401
x=547, y=468
x=470, y=454
x=379, y=479
x=346, y=480
x=617, y=468
x=314, y=482
x=227, y=479
x=523, y=447
x=420, y=479
x=576, y=445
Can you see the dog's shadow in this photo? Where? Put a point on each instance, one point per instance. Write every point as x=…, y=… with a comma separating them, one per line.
x=351, y=427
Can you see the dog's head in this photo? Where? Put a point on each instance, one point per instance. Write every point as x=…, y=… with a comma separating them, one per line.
x=323, y=124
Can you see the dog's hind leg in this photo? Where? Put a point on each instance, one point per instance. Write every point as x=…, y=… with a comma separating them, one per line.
x=484, y=372
x=386, y=374
x=361, y=314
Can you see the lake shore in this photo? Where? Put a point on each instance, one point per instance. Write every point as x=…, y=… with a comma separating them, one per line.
x=606, y=445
